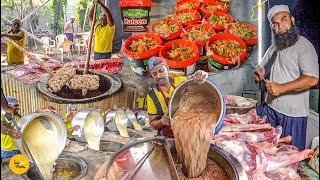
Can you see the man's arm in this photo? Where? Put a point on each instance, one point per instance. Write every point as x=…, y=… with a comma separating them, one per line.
x=67, y=26
x=107, y=13
x=157, y=124
x=90, y=14
x=13, y=36
x=4, y=129
x=304, y=82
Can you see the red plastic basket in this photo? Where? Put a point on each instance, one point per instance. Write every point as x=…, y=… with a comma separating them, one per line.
x=172, y=35
x=187, y=23
x=180, y=64
x=208, y=27
x=143, y=55
x=221, y=59
x=251, y=41
x=215, y=3
x=198, y=5
x=219, y=13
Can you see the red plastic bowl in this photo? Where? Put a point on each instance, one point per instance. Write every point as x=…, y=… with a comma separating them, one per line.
x=180, y=64
x=215, y=3
x=208, y=27
x=251, y=41
x=172, y=35
x=219, y=13
x=187, y=23
x=144, y=55
x=198, y=6
x=221, y=59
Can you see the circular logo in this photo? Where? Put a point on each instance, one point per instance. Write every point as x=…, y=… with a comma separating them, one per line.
x=19, y=164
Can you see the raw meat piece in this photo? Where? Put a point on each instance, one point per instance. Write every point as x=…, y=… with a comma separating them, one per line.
x=239, y=101
x=243, y=152
x=250, y=117
x=245, y=127
x=283, y=174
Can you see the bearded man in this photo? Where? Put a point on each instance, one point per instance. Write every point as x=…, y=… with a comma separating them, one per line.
x=293, y=65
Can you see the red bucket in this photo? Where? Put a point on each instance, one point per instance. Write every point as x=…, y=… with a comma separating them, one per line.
x=180, y=64
x=249, y=41
x=171, y=35
x=216, y=26
x=142, y=55
x=226, y=60
x=223, y=7
x=195, y=5
x=188, y=22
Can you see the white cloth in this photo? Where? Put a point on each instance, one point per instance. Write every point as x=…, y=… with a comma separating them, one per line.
x=276, y=9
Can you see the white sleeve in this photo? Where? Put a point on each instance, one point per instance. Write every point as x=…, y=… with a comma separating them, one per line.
x=308, y=60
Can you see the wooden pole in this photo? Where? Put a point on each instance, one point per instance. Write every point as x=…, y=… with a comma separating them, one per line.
x=36, y=59
x=86, y=67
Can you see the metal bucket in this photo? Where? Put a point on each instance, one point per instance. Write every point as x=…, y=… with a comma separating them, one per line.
x=49, y=121
x=158, y=164
x=80, y=119
x=208, y=89
x=74, y=163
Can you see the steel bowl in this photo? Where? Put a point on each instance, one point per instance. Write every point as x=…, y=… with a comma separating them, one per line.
x=209, y=89
x=81, y=117
x=50, y=121
x=159, y=164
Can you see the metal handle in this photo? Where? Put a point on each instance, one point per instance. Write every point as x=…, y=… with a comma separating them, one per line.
x=129, y=174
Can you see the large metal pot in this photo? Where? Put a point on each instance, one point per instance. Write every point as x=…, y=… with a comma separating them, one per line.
x=159, y=165
x=74, y=163
x=49, y=121
x=109, y=84
x=209, y=89
x=81, y=117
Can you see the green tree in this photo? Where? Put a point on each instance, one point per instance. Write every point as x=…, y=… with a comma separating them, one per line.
x=81, y=10
x=55, y=10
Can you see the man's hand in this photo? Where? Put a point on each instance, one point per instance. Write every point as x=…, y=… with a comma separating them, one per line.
x=75, y=128
x=200, y=76
x=165, y=120
x=256, y=75
x=274, y=88
x=14, y=134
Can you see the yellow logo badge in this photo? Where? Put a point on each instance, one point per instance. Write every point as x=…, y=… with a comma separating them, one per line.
x=19, y=164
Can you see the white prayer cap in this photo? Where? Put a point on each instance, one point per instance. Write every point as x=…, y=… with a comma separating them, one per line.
x=276, y=9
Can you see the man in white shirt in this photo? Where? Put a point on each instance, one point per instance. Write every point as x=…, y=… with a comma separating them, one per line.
x=294, y=71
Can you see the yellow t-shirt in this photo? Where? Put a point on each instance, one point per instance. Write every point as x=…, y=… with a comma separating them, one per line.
x=151, y=108
x=103, y=37
x=15, y=56
x=69, y=126
x=7, y=142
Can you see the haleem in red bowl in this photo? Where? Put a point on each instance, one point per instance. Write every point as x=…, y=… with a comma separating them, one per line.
x=246, y=31
x=210, y=7
x=188, y=4
x=167, y=29
x=142, y=46
x=180, y=53
x=187, y=17
x=198, y=33
x=226, y=49
x=219, y=20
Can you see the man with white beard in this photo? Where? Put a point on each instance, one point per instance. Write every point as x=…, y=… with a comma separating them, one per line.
x=293, y=65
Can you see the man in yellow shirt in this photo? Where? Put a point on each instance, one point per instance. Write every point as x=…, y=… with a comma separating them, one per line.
x=72, y=111
x=158, y=98
x=103, y=33
x=15, y=56
x=8, y=133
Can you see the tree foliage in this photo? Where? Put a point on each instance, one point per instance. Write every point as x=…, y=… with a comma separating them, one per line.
x=56, y=13
x=81, y=9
